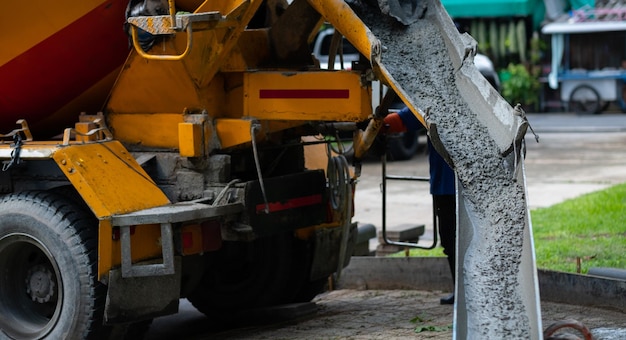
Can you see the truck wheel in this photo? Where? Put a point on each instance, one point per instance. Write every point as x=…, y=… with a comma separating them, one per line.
x=403, y=147
x=245, y=275
x=48, y=263
x=311, y=289
x=584, y=99
x=306, y=289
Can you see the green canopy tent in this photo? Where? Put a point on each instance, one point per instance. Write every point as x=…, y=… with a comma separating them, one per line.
x=490, y=8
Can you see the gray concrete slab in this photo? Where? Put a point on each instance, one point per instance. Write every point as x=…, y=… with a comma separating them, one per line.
x=432, y=273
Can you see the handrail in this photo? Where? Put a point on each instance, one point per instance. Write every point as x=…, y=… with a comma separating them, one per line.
x=172, y=10
x=67, y=133
x=385, y=177
x=157, y=25
x=25, y=129
x=168, y=57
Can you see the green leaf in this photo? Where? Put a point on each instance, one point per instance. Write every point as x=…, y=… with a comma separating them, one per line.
x=417, y=319
x=421, y=329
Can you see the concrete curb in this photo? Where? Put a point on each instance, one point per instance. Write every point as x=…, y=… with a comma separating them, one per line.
x=583, y=290
x=425, y=273
x=433, y=273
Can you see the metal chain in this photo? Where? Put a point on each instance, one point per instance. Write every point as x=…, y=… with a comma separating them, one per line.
x=15, y=154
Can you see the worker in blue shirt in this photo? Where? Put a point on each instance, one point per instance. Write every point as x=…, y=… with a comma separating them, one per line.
x=442, y=188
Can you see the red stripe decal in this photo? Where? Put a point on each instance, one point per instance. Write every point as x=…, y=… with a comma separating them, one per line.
x=304, y=94
x=58, y=69
x=293, y=203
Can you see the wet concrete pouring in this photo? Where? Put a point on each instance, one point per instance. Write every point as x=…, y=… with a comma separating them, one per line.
x=494, y=196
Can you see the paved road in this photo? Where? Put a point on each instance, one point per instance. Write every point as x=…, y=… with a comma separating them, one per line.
x=571, y=123
x=576, y=155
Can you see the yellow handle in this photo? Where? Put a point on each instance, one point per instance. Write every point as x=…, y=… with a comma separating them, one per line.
x=161, y=56
x=172, y=13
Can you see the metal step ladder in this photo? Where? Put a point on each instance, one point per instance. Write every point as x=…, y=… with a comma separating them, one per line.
x=386, y=237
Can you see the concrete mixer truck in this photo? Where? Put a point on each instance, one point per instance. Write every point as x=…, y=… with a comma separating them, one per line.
x=153, y=150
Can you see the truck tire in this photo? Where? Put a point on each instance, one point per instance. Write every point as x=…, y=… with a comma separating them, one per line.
x=311, y=289
x=245, y=275
x=403, y=147
x=48, y=258
x=305, y=289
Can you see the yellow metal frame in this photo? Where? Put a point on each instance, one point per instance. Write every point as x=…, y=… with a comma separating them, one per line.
x=108, y=178
x=237, y=132
x=306, y=96
x=111, y=182
x=191, y=139
x=145, y=55
x=156, y=130
x=145, y=244
x=343, y=18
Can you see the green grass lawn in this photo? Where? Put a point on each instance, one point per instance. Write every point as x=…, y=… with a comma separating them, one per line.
x=591, y=228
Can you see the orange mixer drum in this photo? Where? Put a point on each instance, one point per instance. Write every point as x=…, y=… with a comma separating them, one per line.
x=58, y=58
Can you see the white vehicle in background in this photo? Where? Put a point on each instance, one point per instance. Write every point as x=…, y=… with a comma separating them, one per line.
x=399, y=147
x=485, y=66
x=343, y=59
x=402, y=146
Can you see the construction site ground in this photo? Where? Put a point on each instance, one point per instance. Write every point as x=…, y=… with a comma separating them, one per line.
x=576, y=155
x=372, y=314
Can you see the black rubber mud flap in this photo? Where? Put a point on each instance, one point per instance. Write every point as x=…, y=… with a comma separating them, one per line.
x=139, y=298
x=294, y=201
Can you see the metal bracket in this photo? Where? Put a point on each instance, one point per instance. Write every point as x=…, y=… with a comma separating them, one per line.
x=165, y=216
x=102, y=128
x=386, y=177
x=169, y=24
x=157, y=269
x=15, y=153
x=24, y=129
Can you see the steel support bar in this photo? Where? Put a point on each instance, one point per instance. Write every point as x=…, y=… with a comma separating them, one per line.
x=141, y=270
x=165, y=216
x=173, y=213
x=385, y=178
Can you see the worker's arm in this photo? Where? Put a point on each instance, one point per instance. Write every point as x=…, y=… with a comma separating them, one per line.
x=401, y=121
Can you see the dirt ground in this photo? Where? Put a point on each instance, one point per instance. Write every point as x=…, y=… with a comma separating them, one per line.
x=405, y=314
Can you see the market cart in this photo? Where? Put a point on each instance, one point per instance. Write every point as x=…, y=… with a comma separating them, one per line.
x=596, y=77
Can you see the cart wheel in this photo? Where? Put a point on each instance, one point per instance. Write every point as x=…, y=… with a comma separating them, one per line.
x=585, y=100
